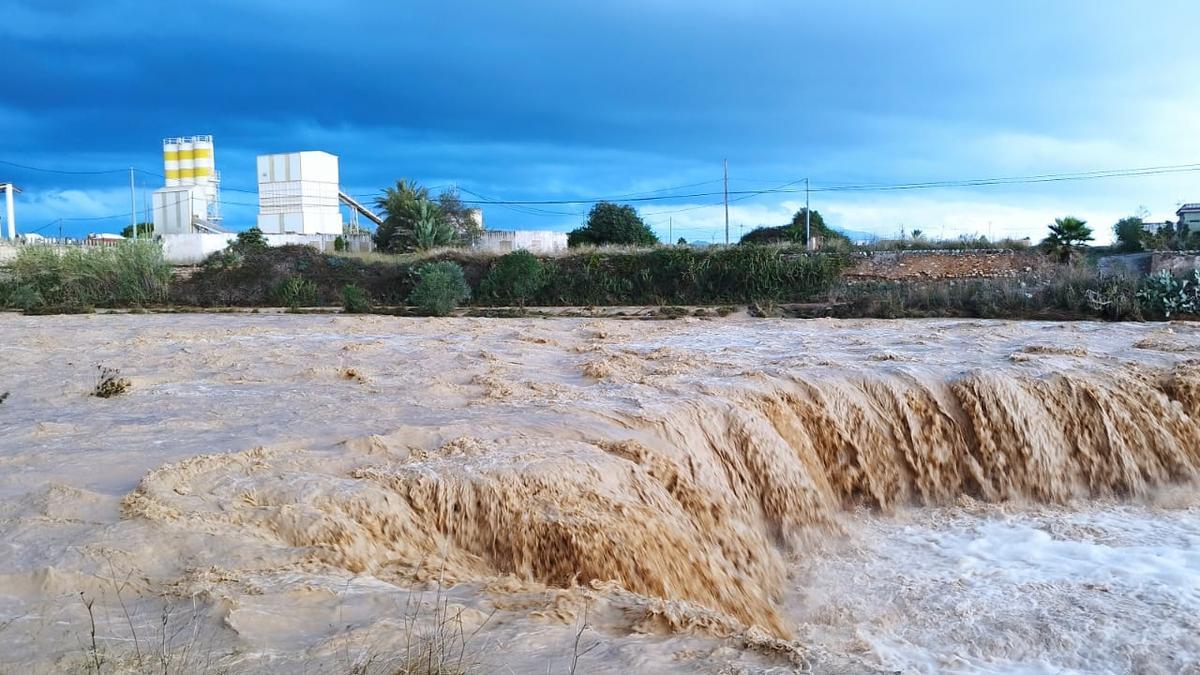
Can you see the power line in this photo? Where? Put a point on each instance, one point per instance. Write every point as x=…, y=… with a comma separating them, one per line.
x=977, y=182
x=59, y=171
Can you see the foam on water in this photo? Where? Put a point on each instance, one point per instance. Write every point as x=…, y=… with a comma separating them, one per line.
x=1105, y=589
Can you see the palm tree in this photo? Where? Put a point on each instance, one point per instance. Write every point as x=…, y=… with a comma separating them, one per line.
x=1066, y=236
x=430, y=228
x=399, y=205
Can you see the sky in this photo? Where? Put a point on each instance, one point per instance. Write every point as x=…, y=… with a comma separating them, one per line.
x=555, y=100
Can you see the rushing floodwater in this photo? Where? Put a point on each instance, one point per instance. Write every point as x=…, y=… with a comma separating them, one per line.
x=283, y=492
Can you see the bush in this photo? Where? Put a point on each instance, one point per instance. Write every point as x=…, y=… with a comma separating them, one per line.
x=296, y=292
x=515, y=278
x=250, y=241
x=355, y=300
x=130, y=274
x=440, y=287
x=19, y=296
x=339, y=243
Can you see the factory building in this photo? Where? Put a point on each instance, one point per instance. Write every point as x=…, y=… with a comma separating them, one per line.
x=298, y=194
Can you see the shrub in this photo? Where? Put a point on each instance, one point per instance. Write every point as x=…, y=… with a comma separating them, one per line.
x=355, y=300
x=339, y=243
x=515, y=278
x=250, y=241
x=296, y=292
x=20, y=296
x=130, y=274
x=440, y=287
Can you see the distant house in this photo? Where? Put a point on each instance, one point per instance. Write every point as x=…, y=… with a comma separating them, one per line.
x=1189, y=215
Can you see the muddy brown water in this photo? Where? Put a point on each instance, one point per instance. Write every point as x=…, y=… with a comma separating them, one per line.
x=286, y=491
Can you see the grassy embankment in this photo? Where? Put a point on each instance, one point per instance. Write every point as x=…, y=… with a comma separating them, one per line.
x=766, y=277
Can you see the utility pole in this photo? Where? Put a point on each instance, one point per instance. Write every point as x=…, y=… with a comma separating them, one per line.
x=807, y=219
x=727, y=202
x=132, y=205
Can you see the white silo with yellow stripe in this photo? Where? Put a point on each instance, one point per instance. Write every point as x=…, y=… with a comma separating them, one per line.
x=190, y=200
x=202, y=161
x=187, y=161
x=171, y=161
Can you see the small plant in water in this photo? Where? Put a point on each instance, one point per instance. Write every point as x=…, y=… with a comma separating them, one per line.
x=109, y=383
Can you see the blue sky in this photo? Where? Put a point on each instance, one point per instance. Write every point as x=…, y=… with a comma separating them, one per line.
x=533, y=100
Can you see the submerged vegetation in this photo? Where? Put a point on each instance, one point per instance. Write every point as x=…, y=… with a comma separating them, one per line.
x=109, y=383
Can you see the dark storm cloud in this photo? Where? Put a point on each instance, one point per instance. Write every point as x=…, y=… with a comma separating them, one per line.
x=542, y=99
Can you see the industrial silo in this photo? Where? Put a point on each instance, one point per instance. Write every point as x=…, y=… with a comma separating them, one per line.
x=171, y=161
x=187, y=161
x=202, y=160
x=190, y=200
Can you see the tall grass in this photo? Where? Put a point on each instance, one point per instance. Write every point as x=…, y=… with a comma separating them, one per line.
x=130, y=274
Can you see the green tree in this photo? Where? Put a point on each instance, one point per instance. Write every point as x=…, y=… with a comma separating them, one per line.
x=399, y=204
x=795, y=232
x=514, y=278
x=1067, y=236
x=144, y=231
x=609, y=224
x=339, y=243
x=1131, y=234
x=250, y=241
x=681, y=242
x=460, y=218
x=440, y=287
x=430, y=229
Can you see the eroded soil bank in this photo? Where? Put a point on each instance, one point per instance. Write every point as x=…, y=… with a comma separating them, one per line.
x=321, y=492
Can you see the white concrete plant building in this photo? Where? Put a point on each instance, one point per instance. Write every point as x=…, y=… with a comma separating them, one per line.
x=298, y=194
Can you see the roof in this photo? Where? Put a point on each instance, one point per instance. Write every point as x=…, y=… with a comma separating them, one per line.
x=1189, y=208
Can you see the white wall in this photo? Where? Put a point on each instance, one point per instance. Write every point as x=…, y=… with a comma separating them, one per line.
x=536, y=241
x=190, y=249
x=176, y=207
